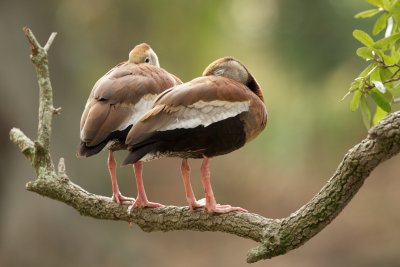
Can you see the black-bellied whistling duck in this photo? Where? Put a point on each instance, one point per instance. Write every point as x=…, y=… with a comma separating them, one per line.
x=209, y=116
x=117, y=101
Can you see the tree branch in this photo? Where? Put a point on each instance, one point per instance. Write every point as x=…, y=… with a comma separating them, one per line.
x=277, y=236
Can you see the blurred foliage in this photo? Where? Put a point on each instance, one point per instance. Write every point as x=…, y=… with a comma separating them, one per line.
x=313, y=22
x=377, y=87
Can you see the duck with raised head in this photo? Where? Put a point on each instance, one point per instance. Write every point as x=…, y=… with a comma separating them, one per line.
x=116, y=102
x=209, y=116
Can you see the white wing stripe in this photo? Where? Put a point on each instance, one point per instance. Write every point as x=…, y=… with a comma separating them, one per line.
x=205, y=113
x=138, y=110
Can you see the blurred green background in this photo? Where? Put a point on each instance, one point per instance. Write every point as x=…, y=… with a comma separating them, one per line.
x=303, y=55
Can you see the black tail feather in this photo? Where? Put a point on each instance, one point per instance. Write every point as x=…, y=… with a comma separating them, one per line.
x=137, y=154
x=87, y=151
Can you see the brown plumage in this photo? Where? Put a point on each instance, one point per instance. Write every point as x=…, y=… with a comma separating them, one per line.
x=117, y=101
x=206, y=117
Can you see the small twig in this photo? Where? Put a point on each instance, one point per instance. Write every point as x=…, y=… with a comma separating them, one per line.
x=346, y=95
x=397, y=71
x=61, y=167
x=384, y=65
x=24, y=144
x=32, y=40
x=57, y=111
x=392, y=80
x=61, y=170
x=50, y=41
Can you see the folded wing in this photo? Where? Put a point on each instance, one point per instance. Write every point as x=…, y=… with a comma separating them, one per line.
x=118, y=100
x=191, y=118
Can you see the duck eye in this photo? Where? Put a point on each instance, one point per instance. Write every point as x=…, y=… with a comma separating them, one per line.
x=147, y=60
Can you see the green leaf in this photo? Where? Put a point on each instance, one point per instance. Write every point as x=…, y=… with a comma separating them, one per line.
x=379, y=115
x=395, y=10
x=365, y=112
x=386, y=73
x=355, y=85
x=376, y=79
x=388, y=95
x=387, y=4
x=377, y=3
x=380, y=24
x=389, y=60
x=365, y=53
x=380, y=100
x=395, y=4
x=355, y=101
x=394, y=54
x=367, y=13
x=396, y=88
x=379, y=86
x=375, y=75
x=364, y=38
x=389, y=28
x=391, y=40
x=367, y=70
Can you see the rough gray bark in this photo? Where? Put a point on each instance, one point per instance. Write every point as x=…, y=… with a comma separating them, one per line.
x=277, y=236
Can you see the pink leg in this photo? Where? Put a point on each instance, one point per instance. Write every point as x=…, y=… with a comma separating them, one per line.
x=141, y=200
x=211, y=204
x=191, y=199
x=116, y=194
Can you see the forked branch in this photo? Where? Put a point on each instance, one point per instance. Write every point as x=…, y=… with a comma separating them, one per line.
x=277, y=236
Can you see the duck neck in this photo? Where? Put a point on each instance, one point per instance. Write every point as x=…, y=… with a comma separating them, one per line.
x=254, y=87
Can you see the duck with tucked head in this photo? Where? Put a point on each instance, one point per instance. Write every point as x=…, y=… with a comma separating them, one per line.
x=116, y=102
x=209, y=116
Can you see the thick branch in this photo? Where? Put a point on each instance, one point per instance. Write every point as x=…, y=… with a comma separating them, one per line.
x=168, y=218
x=277, y=236
x=382, y=143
